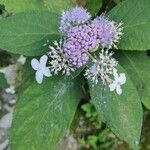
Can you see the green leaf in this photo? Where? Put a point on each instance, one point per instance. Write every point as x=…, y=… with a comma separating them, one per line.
x=118, y=1
x=136, y=22
x=43, y=114
x=3, y=82
x=137, y=64
x=122, y=113
x=93, y=6
x=16, y=6
x=25, y=33
x=59, y=5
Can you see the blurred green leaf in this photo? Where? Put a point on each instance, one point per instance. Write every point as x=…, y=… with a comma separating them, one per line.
x=93, y=6
x=59, y=5
x=134, y=14
x=118, y=1
x=43, y=113
x=25, y=33
x=92, y=140
x=3, y=82
x=103, y=135
x=137, y=64
x=16, y=6
x=89, y=110
x=122, y=113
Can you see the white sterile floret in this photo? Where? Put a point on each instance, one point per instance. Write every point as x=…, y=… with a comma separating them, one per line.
x=41, y=69
x=118, y=81
x=102, y=68
x=92, y=73
x=58, y=61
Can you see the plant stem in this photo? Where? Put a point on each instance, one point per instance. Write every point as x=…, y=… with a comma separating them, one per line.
x=91, y=56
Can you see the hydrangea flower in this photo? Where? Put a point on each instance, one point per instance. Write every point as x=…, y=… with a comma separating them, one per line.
x=80, y=39
x=41, y=69
x=109, y=32
x=73, y=17
x=119, y=80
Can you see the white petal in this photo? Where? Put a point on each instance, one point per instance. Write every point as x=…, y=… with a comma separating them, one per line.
x=115, y=74
x=39, y=76
x=43, y=60
x=46, y=72
x=122, y=78
x=112, y=86
x=35, y=64
x=118, y=90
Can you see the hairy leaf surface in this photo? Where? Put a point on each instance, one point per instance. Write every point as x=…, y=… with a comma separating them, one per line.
x=43, y=113
x=59, y=5
x=135, y=17
x=25, y=33
x=122, y=113
x=137, y=64
x=16, y=6
x=94, y=6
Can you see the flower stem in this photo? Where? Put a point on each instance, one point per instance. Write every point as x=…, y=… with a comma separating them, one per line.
x=91, y=56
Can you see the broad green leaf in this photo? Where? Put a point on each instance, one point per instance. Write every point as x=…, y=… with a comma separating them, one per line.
x=25, y=33
x=43, y=114
x=122, y=113
x=94, y=6
x=3, y=82
x=59, y=5
x=137, y=64
x=15, y=6
x=135, y=17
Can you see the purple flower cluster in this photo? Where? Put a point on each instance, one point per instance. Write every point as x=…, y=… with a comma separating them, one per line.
x=80, y=39
x=73, y=17
x=84, y=35
x=109, y=32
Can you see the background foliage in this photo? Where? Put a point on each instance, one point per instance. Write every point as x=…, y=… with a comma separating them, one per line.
x=24, y=31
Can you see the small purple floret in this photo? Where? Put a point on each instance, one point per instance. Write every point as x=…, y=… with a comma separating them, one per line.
x=73, y=17
x=84, y=35
x=80, y=39
x=109, y=32
x=93, y=69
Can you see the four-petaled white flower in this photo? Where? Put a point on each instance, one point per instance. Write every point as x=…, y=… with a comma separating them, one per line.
x=41, y=69
x=119, y=80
